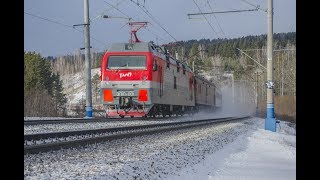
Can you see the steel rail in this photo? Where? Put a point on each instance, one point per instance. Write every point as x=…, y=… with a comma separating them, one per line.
x=39, y=136
x=138, y=131
x=84, y=120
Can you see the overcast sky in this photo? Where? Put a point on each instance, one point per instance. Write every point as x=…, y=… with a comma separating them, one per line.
x=48, y=24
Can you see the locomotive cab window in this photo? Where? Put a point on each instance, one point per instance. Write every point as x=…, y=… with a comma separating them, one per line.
x=126, y=62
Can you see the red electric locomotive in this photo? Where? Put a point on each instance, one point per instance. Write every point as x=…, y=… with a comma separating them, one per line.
x=140, y=79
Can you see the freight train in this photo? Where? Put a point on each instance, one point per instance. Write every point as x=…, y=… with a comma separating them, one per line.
x=141, y=79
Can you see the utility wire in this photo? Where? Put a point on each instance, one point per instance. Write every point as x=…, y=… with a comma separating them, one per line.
x=205, y=18
x=49, y=20
x=56, y=22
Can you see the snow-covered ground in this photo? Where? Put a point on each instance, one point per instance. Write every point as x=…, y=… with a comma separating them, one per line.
x=257, y=154
x=237, y=150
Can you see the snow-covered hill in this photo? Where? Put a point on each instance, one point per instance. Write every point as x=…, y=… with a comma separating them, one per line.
x=75, y=87
x=75, y=90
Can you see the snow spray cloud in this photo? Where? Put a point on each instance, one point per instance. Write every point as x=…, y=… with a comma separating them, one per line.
x=237, y=102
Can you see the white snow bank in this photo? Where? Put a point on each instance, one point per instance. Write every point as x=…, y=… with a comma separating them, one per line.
x=258, y=154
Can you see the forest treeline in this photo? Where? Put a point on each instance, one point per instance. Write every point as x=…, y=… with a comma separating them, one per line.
x=43, y=89
x=228, y=47
x=218, y=48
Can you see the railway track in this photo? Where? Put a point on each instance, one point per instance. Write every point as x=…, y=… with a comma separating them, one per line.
x=84, y=120
x=36, y=143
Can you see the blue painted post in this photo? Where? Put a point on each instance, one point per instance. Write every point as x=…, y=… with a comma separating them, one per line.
x=88, y=111
x=270, y=122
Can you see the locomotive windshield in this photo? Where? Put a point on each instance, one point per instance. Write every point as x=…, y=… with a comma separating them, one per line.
x=126, y=62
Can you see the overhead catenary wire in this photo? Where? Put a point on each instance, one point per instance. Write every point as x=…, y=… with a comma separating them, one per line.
x=153, y=18
x=117, y=9
x=157, y=36
x=149, y=29
x=245, y=10
x=219, y=12
x=130, y=18
x=205, y=18
x=256, y=6
x=216, y=20
x=103, y=12
x=292, y=26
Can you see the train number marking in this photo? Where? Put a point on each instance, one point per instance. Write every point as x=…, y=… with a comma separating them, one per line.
x=124, y=93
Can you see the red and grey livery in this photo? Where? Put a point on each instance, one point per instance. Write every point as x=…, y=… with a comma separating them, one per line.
x=142, y=79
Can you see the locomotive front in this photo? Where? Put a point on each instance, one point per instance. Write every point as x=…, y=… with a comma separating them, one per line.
x=126, y=71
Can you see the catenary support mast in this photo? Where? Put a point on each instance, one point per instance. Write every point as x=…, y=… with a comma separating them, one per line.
x=270, y=122
x=87, y=60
